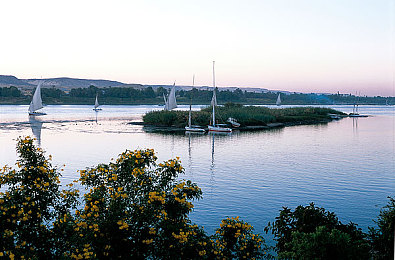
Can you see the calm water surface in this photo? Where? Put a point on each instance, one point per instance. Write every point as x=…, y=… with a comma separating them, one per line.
x=345, y=166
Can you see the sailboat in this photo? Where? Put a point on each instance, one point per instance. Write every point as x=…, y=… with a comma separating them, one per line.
x=278, y=102
x=36, y=102
x=171, y=102
x=216, y=127
x=96, y=108
x=190, y=127
x=355, y=112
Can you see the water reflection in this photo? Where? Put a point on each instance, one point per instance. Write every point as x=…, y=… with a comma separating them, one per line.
x=36, y=125
x=96, y=112
x=355, y=125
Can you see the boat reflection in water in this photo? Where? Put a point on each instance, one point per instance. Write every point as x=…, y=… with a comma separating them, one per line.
x=36, y=126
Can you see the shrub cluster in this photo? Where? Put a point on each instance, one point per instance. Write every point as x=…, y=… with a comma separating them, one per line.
x=245, y=115
x=132, y=208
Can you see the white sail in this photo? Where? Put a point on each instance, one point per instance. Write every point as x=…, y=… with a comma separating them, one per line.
x=36, y=102
x=96, y=103
x=172, y=103
x=166, y=102
x=278, y=102
x=214, y=99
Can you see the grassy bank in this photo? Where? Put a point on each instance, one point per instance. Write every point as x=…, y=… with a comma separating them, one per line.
x=245, y=115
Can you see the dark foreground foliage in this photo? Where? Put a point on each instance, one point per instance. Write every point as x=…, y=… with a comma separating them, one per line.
x=310, y=232
x=382, y=238
x=245, y=115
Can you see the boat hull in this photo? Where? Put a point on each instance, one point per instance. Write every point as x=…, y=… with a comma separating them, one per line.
x=194, y=129
x=97, y=109
x=357, y=115
x=219, y=129
x=37, y=113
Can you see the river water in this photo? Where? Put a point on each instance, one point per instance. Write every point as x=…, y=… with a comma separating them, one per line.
x=346, y=166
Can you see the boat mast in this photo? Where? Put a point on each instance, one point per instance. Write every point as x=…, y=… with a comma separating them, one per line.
x=190, y=104
x=213, y=94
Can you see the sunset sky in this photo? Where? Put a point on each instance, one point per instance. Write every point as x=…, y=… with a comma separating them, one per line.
x=294, y=45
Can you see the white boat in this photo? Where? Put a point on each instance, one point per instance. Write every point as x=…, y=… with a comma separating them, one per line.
x=36, y=102
x=96, y=108
x=216, y=127
x=170, y=102
x=278, y=102
x=233, y=122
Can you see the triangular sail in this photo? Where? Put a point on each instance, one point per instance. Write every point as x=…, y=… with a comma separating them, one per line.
x=214, y=99
x=172, y=103
x=278, y=102
x=166, y=104
x=96, y=103
x=36, y=102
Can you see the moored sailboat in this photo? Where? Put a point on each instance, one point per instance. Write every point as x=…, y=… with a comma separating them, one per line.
x=190, y=127
x=36, y=102
x=216, y=127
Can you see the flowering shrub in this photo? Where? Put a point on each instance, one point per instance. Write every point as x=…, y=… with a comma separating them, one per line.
x=31, y=201
x=132, y=208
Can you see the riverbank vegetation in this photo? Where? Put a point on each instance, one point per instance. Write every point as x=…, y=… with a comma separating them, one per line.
x=151, y=96
x=245, y=115
x=136, y=208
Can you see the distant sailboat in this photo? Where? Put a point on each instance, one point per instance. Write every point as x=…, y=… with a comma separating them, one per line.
x=216, y=127
x=170, y=102
x=355, y=112
x=190, y=127
x=96, y=108
x=36, y=102
x=278, y=102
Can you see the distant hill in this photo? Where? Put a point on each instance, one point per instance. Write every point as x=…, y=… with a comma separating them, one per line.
x=6, y=81
x=61, y=83
x=65, y=84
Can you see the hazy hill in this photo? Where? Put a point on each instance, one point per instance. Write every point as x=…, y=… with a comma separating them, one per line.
x=61, y=83
x=65, y=84
x=8, y=80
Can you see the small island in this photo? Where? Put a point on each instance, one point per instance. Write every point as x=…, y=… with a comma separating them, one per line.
x=249, y=117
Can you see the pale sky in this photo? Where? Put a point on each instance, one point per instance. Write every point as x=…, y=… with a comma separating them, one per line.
x=295, y=45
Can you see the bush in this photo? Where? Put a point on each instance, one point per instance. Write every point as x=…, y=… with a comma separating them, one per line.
x=31, y=202
x=382, y=238
x=245, y=115
x=133, y=208
x=312, y=232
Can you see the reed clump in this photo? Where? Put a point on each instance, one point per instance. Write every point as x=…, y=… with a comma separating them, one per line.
x=245, y=115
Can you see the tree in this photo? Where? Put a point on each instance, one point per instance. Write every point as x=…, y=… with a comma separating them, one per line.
x=312, y=232
x=382, y=238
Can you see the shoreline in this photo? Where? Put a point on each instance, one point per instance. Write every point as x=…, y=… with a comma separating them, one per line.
x=174, y=129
